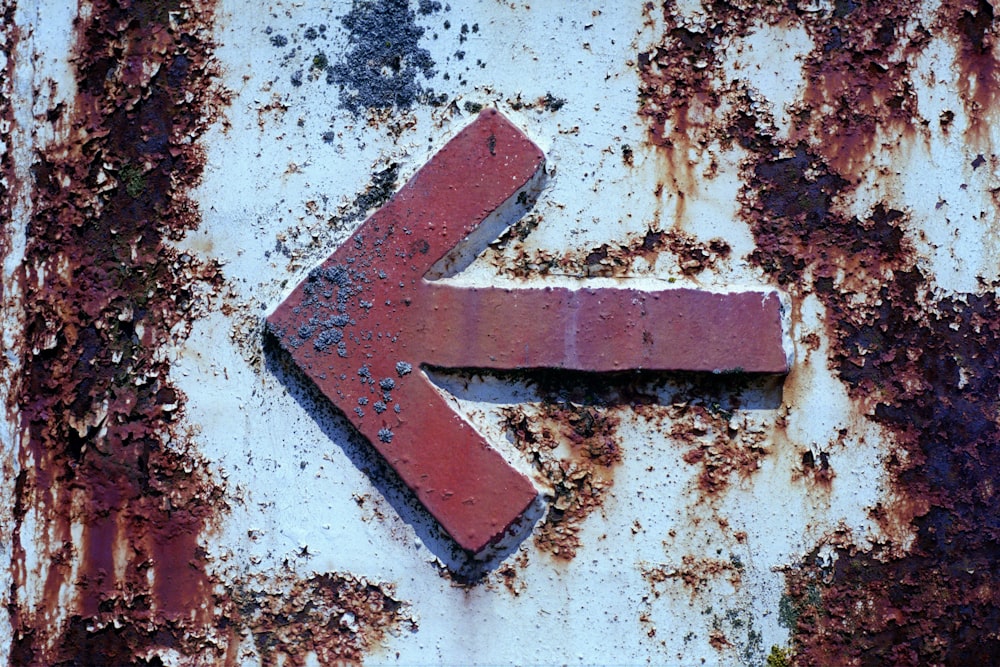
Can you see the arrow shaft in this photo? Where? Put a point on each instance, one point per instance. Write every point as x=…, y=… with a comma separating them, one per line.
x=601, y=330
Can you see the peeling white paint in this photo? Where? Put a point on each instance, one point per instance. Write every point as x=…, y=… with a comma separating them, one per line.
x=295, y=471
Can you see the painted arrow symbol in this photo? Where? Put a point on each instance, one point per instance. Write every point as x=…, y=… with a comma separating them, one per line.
x=364, y=323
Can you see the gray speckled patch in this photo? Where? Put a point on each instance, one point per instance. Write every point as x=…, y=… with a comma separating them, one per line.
x=380, y=69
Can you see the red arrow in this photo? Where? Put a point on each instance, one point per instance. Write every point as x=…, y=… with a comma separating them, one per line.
x=365, y=321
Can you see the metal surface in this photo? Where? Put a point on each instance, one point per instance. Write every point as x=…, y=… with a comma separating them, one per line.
x=180, y=493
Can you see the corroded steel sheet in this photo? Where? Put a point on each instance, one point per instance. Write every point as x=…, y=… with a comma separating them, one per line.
x=179, y=494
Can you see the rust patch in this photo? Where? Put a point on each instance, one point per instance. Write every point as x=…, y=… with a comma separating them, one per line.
x=815, y=468
x=692, y=256
x=578, y=475
x=11, y=37
x=922, y=365
x=509, y=574
x=858, y=92
x=119, y=500
x=546, y=102
x=718, y=442
x=972, y=25
x=695, y=573
x=104, y=456
x=337, y=618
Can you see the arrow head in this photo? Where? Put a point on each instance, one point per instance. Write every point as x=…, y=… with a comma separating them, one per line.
x=347, y=326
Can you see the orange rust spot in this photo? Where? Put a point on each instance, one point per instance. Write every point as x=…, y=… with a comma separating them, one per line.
x=509, y=574
x=694, y=573
x=338, y=618
x=717, y=445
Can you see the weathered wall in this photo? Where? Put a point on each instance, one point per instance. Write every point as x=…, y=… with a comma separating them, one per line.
x=180, y=494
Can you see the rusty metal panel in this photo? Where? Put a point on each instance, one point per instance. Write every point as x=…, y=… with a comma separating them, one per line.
x=802, y=195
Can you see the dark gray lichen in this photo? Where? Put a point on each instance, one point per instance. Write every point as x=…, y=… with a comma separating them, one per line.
x=385, y=435
x=387, y=384
x=428, y=7
x=381, y=67
x=382, y=187
x=403, y=368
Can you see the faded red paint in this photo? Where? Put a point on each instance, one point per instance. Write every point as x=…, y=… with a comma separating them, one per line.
x=922, y=366
x=368, y=316
x=363, y=322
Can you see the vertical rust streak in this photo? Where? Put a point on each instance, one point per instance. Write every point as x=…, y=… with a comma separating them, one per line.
x=103, y=291
x=971, y=23
x=113, y=571
x=11, y=37
x=10, y=189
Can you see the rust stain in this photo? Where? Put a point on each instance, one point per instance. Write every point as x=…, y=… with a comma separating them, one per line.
x=718, y=442
x=336, y=618
x=692, y=256
x=579, y=475
x=679, y=109
x=508, y=574
x=729, y=627
x=11, y=37
x=113, y=571
x=695, y=573
x=921, y=365
x=97, y=408
x=858, y=93
x=971, y=24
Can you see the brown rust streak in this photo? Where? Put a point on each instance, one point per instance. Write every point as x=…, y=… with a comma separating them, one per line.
x=118, y=496
x=97, y=409
x=8, y=177
x=922, y=366
x=971, y=23
x=681, y=96
x=858, y=94
x=10, y=188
